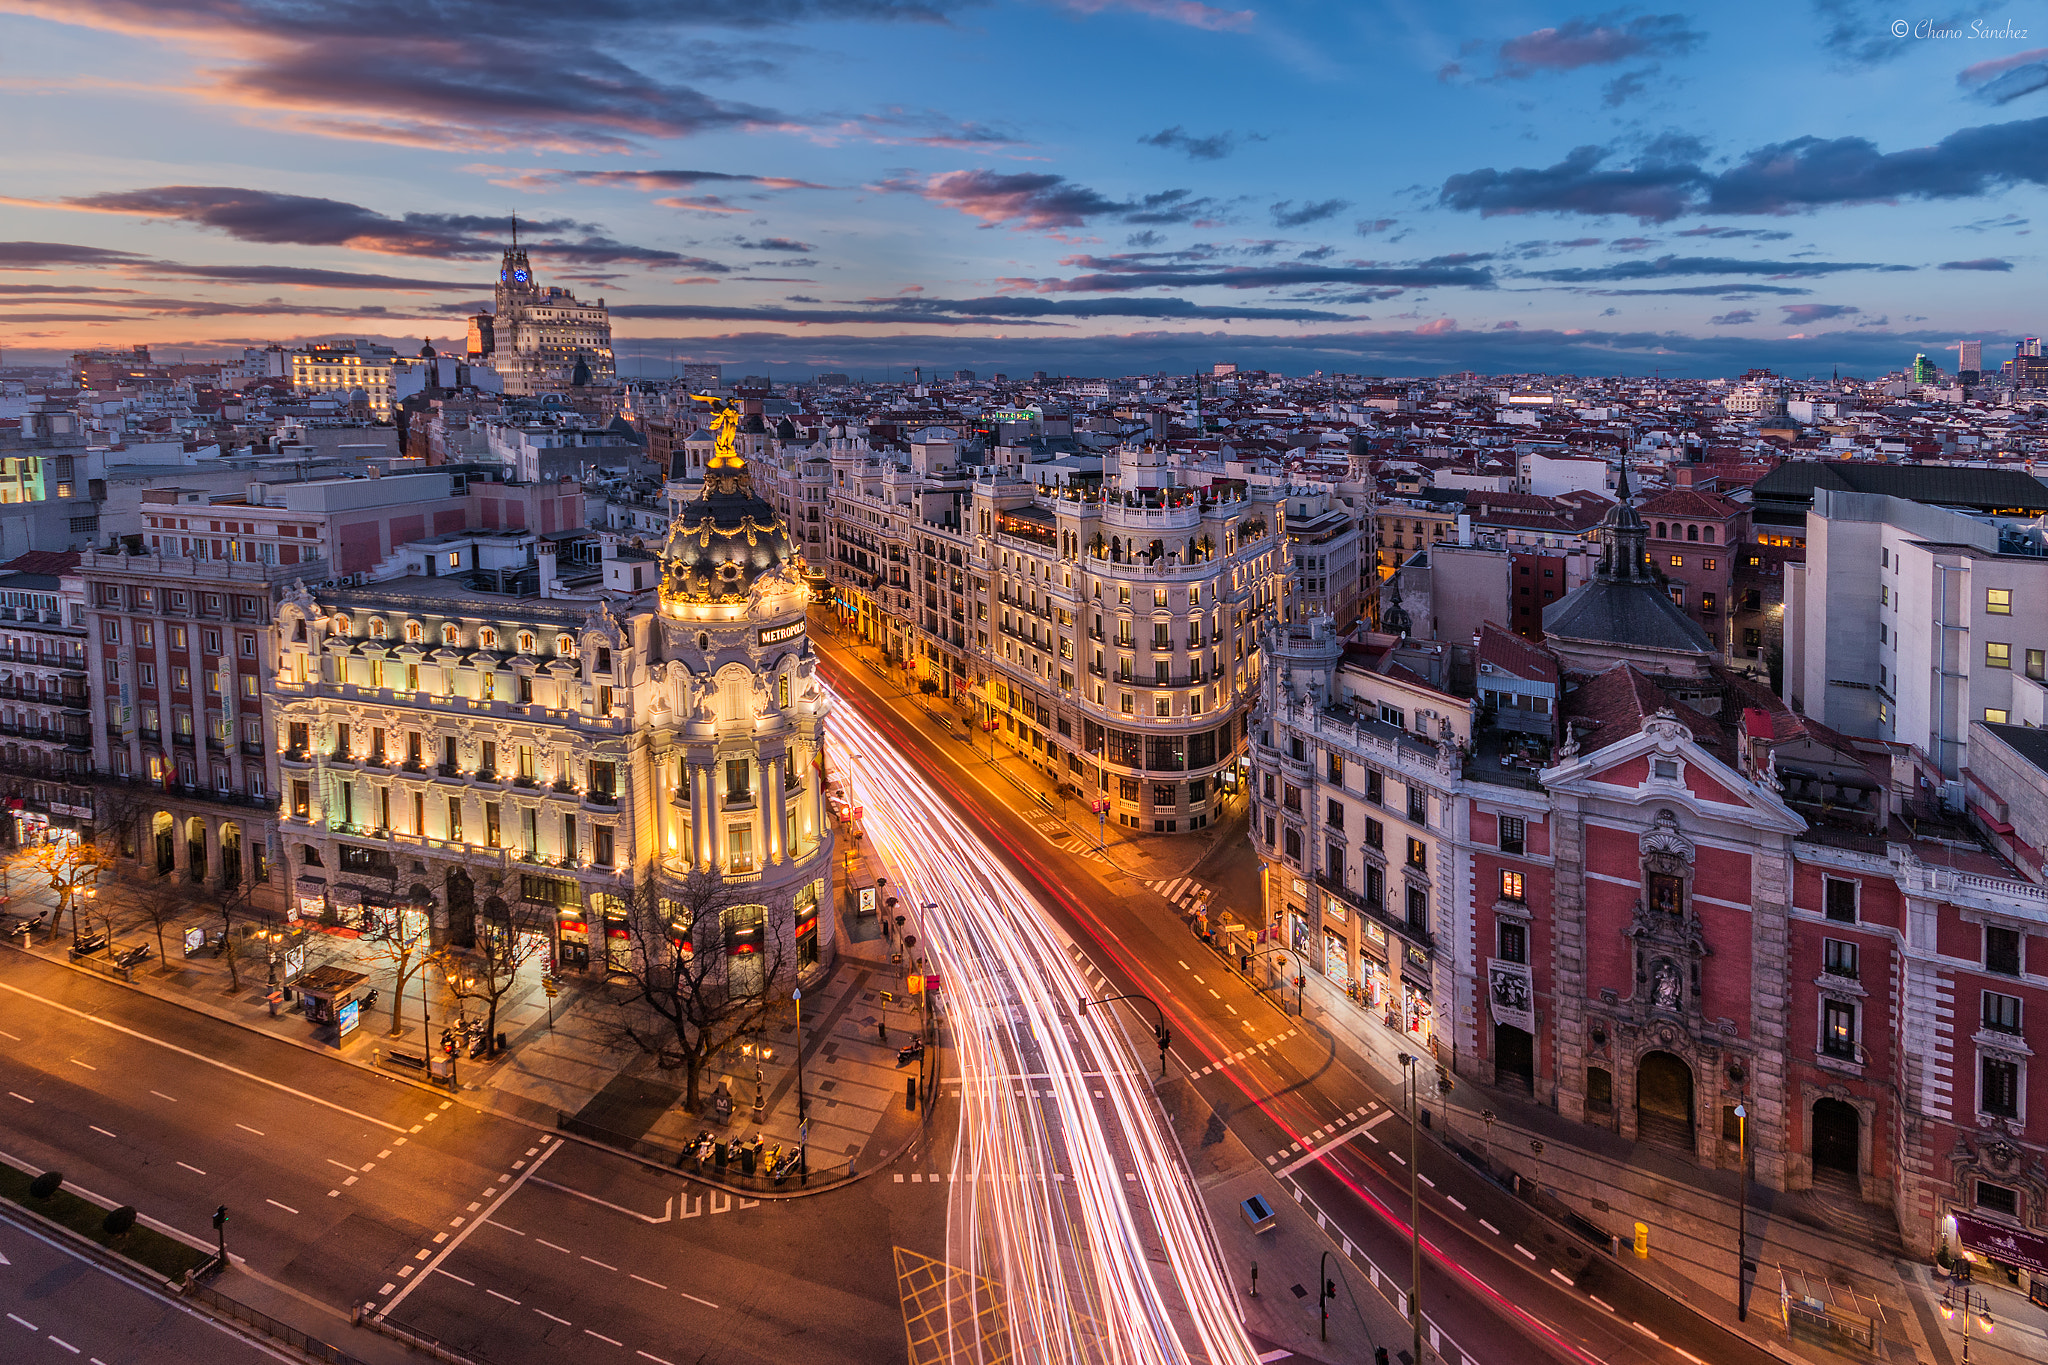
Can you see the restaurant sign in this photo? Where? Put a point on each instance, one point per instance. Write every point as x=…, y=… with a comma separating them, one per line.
x=2001, y=1242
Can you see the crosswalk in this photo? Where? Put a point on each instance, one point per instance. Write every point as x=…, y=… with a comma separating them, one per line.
x=1185, y=892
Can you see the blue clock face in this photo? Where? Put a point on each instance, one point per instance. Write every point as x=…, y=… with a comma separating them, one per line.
x=519, y=275
x=501, y=274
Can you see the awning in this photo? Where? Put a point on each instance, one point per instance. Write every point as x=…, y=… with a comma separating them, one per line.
x=2003, y=1242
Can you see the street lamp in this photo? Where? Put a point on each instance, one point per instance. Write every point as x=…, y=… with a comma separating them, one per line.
x=1159, y=1033
x=803, y=1121
x=1413, y=1098
x=1963, y=1300
x=1742, y=1262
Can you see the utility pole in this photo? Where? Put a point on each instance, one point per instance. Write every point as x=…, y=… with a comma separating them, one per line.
x=1742, y=1218
x=1408, y=1061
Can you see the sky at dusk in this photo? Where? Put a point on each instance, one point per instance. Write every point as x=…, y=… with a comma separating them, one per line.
x=1080, y=186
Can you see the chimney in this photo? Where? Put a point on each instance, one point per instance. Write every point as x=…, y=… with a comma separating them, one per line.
x=547, y=568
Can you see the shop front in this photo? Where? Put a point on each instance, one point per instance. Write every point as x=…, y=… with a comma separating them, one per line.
x=308, y=899
x=572, y=938
x=1372, y=966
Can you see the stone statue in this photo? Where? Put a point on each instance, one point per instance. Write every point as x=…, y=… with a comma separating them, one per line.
x=1665, y=984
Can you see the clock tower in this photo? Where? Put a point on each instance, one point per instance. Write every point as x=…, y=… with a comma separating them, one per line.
x=515, y=274
x=544, y=337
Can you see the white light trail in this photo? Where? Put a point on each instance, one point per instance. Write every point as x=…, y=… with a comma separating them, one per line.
x=1079, y=1209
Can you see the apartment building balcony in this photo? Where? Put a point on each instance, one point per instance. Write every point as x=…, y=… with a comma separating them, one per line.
x=602, y=801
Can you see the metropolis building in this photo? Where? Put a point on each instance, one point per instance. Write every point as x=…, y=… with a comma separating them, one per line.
x=520, y=743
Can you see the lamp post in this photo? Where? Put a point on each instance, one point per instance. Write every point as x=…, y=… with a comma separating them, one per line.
x=1963, y=1300
x=803, y=1122
x=1742, y=1212
x=1412, y=1096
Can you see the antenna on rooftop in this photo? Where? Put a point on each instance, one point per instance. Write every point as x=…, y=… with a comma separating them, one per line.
x=515, y=230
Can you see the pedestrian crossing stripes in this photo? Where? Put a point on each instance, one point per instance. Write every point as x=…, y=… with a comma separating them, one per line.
x=1185, y=892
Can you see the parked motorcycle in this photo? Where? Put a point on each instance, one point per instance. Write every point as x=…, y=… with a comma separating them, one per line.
x=369, y=999
x=909, y=1053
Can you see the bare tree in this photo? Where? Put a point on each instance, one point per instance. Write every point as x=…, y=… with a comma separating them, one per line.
x=490, y=970
x=161, y=903
x=405, y=951
x=703, y=973
x=234, y=904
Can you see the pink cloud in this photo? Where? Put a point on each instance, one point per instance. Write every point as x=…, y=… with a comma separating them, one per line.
x=1189, y=12
x=1437, y=327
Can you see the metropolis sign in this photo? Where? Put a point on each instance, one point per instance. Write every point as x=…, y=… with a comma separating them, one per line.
x=775, y=634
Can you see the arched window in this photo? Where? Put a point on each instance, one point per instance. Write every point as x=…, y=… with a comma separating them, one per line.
x=1707, y=534
x=414, y=632
x=451, y=635
x=339, y=624
x=526, y=642
x=487, y=638
x=376, y=627
x=1692, y=533
x=1660, y=531
x=565, y=646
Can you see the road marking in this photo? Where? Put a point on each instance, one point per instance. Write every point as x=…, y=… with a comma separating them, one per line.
x=65, y=1344
x=351, y=1180
x=1455, y=1202
x=24, y=1322
x=694, y=1299
x=1233, y=1009
x=1377, y=1119
x=600, y=1264
x=1525, y=1251
x=23, y=1098
x=457, y=1240
x=343, y=1164
x=17, y=1037
x=1398, y=1157
x=1319, y=1153
x=162, y=1096
x=97, y=1129
x=552, y=1247
x=1489, y=1227
x=1645, y=1331
x=190, y=1167
x=506, y=1297
x=1217, y=994
x=455, y=1277
x=440, y=1237
x=496, y=1224
x=1425, y=1180
x=601, y=1337
x=1566, y=1278
x=656, y=1359
x=286, y=1207
x=247, y=1129
x=384, y=1155
x=87, y=1065
x=1602, y=1302
x=195, y=1056
x=473, y=1208
x=1198, y=978
x=334, y=1194
x=1687, y=1354
x=544, y=1313
x=1183, y=966
x=644, y=1280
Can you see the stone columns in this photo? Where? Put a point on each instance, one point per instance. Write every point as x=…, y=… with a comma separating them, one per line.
x=773, y=804
x=1770, y=992
x=1568, y=961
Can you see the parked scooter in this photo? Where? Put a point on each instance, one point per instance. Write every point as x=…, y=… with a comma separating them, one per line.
x=909, y=1053
x=368, y=1000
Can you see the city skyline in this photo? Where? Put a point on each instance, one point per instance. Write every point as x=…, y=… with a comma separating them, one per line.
x=1078, y=186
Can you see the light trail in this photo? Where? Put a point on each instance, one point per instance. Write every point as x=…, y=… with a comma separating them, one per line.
x=1078, y=1209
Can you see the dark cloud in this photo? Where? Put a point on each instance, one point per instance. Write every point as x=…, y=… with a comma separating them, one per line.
x=475, y=73
x=1739, y=317
x=1759, y=234
x=1371, y=227
x=1626, y=87
x=272, y=218
x=778, y=246
x=1786, y=177
x=1144, y=239
x=2003, y=220
x=1286, y=215
x=43, y=255
x=1664, y=267
x=1858, y=33
x=1631, y=244
x=1598, y=41
x=1111, y=274
x=1799, y=314
x=1731, y=290
x=654, y=180
x=1981, y=263
x=1213, y=147
x=299, y=277
x=1044, y=201
x=2004, y=79
x=1011, y=309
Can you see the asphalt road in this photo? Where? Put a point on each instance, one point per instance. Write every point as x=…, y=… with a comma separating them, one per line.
x=60, y=1308
x=1501, y=1285
x=348, y=1187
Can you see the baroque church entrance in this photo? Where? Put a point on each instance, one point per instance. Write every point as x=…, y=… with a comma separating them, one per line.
x=1664, y=1101
x=1837, y=1134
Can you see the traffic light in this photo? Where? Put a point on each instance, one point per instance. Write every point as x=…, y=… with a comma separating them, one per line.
x=220, y=1216
x=1329, y=1289
x=1379, y=1355
x=1165, y=1038
x=1443, y=1078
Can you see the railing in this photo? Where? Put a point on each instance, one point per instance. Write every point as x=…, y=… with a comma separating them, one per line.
x=266, y=1324
x=731, y=1177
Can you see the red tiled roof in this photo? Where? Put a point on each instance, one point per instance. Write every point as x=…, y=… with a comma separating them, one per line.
x=1619, y=700
x=51, y=562
x=1690, y=502
x=1513, y=655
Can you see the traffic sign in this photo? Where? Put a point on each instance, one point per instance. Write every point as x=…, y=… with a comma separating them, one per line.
x=550, y=985
x=913, y=983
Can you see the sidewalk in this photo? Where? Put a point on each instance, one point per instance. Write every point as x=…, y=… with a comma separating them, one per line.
x=557, y=1061
x=1691, y=1214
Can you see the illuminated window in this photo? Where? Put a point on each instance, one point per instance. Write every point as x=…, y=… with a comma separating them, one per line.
x=1678, y=561
x=1994, y=715
x=1998, y=601
x=1997, y=655
x=1510, y=885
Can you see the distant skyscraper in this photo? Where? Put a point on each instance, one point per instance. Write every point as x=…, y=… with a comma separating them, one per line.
x=1970, y=358
x=1924, y=371
x=700, y=376
x=2029, y=346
